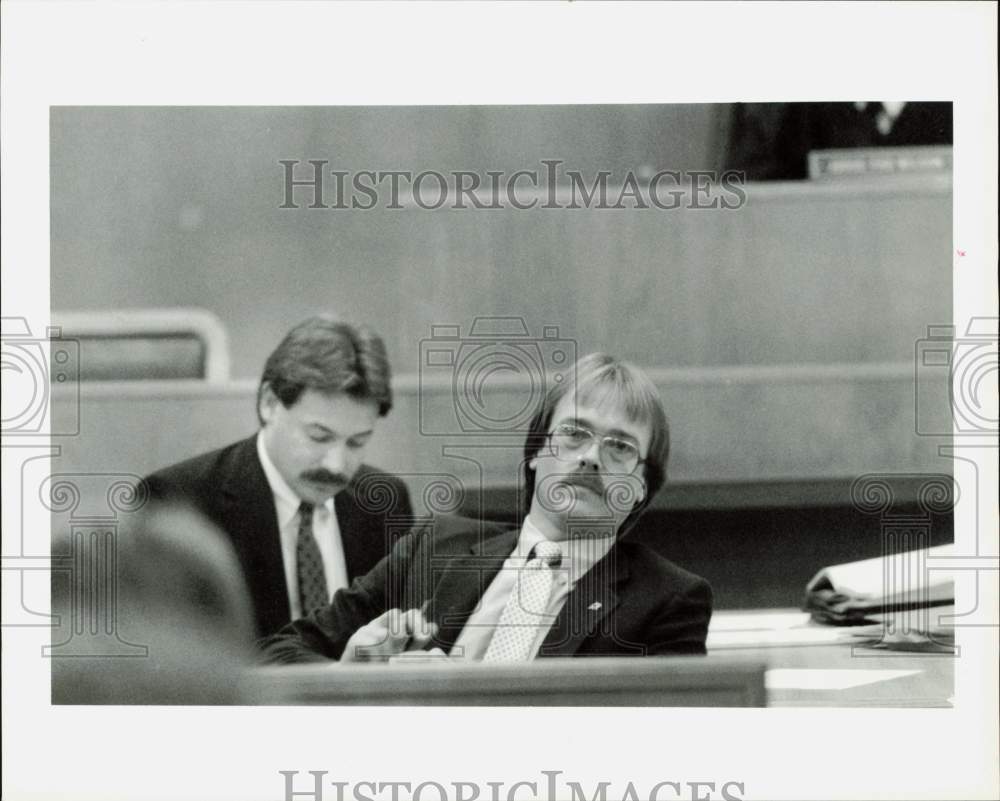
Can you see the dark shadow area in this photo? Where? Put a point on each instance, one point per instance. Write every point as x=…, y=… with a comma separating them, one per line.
x=765, y=557
x=772, y=141
x=754, y=555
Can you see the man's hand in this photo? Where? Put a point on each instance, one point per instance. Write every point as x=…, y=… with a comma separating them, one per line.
x=391, y=633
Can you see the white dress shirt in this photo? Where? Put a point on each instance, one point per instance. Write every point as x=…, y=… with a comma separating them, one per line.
x=326, y=532
x=578, y=556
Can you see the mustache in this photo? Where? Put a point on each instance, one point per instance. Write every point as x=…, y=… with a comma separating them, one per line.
x=320, y=476
x=591, y=481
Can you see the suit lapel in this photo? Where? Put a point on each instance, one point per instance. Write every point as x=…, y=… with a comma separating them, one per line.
x=354, y=532
x=250, y=515
x=463, y=581
x=365, y=534
x=588, y=606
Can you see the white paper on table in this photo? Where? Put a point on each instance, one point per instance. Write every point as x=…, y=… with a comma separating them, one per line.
x=828, y=679
x=813, y=635
x=759, y=621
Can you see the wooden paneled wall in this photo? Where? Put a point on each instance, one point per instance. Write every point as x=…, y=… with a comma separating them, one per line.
x=161, y=207
x=803, y=425
x=781, y=333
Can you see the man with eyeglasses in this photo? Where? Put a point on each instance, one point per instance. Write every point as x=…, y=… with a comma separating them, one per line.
x=563, y=584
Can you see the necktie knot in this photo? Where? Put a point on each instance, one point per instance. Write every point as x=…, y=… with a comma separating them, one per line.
x=548, y=552
x=305, y=511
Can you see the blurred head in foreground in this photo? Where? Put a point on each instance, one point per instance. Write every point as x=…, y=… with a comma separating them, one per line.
x=178, y=593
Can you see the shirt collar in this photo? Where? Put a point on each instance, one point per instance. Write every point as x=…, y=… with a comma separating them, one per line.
x=285, y=499
x=578, y=555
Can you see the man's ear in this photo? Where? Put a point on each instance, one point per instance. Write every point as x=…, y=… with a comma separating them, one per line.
x=267, y=403
x=640, y=494
x=533, y=463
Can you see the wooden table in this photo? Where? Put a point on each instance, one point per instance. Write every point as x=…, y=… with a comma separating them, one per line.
x=771, y=657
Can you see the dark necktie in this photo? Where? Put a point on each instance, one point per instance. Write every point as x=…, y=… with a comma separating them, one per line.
x=312, y=581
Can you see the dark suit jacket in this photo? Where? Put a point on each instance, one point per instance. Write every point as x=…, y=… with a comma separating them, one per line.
x=631, y=603
x=230, y=488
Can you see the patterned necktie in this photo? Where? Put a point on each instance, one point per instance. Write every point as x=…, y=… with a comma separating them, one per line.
x=524, y=613
x=312, y=580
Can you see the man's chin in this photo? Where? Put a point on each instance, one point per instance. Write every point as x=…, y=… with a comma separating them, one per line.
x=318, y=494
x=585, y=517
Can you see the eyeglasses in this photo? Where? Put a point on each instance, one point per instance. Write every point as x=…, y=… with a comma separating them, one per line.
x=569, y=440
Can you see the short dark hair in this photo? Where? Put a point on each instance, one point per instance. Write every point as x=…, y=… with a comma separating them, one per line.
x=597, y=377
x=330, y=356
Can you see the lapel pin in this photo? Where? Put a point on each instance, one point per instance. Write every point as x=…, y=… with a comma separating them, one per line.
x=594, y=606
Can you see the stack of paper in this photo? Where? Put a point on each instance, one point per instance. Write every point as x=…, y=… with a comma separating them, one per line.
x=852, y=593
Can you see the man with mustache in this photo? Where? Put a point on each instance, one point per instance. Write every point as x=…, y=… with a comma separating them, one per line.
x=564, y=583
x=304, y=514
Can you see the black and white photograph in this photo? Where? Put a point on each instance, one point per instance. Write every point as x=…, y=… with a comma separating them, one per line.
x=374, y=435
